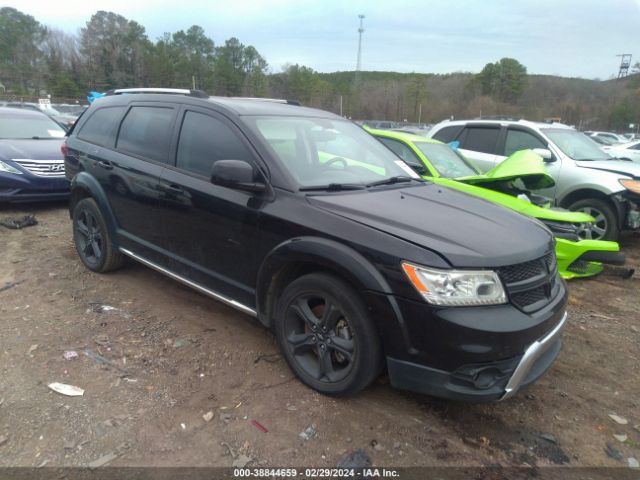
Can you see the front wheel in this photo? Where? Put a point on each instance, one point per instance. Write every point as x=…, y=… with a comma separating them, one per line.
x=326, y=335
x=605, y=226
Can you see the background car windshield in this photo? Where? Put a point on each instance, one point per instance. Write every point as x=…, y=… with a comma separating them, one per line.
x=29, y=127
x=448, y=162
x=319, y=151
x=576, y=145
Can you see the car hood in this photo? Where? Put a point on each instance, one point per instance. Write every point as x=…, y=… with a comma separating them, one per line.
x=465, y=230
x=524, y=164
x=622, y=167
x=31, y=149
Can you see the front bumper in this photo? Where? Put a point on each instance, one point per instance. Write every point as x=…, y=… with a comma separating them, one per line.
x=31, y=188
x=490, y=381
x=585, y=258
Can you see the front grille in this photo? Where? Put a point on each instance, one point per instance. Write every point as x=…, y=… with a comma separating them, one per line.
x=526, y=270
x=529, y=297
x=42, y=168
x=531, y=285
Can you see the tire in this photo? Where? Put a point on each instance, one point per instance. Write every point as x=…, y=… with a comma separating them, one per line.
x=337, y=355
x=92, y=240
x=606, y=225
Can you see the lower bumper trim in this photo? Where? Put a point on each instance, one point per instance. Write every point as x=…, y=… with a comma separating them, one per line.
x=535, y=351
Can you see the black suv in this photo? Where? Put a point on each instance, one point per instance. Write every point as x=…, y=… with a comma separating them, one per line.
x=304, y=220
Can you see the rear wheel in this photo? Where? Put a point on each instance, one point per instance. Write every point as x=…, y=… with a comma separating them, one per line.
x=92, y=240
x=326, y=335
x=605, y=226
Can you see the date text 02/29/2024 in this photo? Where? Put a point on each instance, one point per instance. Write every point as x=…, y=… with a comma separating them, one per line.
x=271, y=473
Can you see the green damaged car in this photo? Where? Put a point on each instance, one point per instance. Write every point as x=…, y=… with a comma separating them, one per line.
x=509, y=184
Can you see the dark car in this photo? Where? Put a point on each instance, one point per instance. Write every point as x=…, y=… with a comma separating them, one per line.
x=31, y=163
x=304, y=220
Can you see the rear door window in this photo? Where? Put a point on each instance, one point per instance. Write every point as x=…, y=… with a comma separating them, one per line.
x=204, y=140
x=521, y=140
x=146, y=131
x=101, y=128
x=481, y=139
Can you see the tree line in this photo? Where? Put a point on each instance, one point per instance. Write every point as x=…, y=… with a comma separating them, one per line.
x=111, y=51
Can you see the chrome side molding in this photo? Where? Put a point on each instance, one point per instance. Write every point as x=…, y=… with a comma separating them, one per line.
x=189, y=283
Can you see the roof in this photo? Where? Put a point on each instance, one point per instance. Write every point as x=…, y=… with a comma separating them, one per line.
x=528, y=123
x=10, y=112
x=251, y=106
x=408, y=137
x=238, y=105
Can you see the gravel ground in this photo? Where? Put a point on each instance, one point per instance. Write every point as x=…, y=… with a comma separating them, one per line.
x=172, y=378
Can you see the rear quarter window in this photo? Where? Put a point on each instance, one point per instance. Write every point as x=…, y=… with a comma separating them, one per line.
x=101, y=127
x=448, y=134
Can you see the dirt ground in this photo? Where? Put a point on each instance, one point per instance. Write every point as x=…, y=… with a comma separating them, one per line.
x=155, y=357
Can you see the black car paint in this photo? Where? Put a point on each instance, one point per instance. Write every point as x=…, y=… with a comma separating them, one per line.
x=241, y=244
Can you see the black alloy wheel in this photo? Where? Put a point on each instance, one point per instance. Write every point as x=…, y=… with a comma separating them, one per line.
x=326, y=336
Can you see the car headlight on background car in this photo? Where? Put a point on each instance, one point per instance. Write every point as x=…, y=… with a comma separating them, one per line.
x=456, y=287
x=5, y=167
x=631, y=185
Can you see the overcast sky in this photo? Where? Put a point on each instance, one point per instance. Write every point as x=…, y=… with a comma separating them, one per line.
x=578, y=38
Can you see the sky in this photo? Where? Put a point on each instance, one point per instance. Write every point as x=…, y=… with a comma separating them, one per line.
x=573, y=38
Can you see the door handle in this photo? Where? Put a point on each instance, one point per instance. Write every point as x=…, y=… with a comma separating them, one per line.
x=105, y=164
x=172, y=187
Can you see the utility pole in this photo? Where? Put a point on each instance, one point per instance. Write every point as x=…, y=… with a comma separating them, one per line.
x=359, y=62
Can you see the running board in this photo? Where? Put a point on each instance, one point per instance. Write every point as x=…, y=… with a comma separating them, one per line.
x=189, y=283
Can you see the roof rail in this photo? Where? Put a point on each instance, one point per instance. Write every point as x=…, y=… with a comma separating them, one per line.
x=498, y=117
x=273, y=100
x=175, y=91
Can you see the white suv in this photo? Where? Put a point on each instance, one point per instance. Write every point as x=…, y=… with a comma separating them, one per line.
x=587, y=178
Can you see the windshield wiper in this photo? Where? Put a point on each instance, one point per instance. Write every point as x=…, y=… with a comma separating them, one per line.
x=334, y=187
x=392, y=180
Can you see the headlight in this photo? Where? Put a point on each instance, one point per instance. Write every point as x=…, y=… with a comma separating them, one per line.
x=5, y=167
x=456, y=287
x=632, y=185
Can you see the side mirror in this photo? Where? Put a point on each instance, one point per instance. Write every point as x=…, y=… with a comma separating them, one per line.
x=236, y=174
x=546, y=154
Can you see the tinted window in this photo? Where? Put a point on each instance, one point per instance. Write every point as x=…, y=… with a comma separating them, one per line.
x=402, y=151
x=204, y=140
x=521, y=140
x=635, y=147
x=448, y=134
x=146, y=131
x=101, y=127
x=481, y=139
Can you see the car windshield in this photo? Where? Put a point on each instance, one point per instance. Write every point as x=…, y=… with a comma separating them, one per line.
x=448, y=162
x=575, y=145
x=318, y=151
x=32, y=126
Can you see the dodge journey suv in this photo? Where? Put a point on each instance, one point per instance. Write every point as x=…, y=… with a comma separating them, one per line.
x=305, y=221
